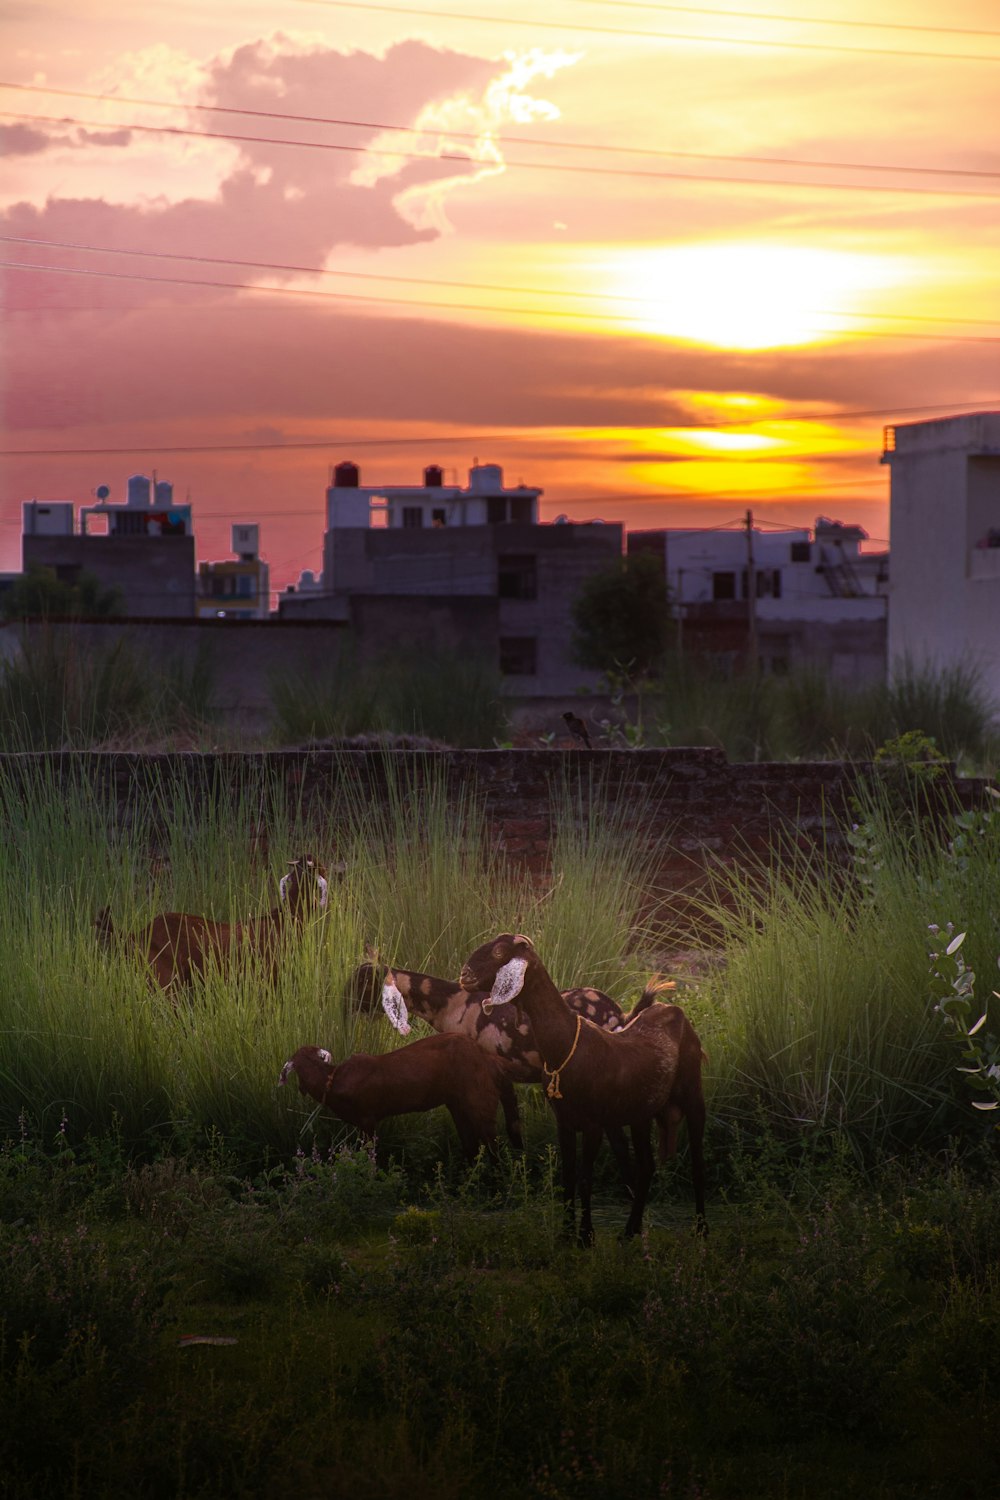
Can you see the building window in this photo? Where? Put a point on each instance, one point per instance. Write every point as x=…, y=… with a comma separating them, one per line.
x=723, y=585
x=438, y=517
x=496, y=509
x=520, y=509
x=413, y=516
x=767, y=580
x=801, y=551
x=245, y=586
x=517, y=576
x=136, y=524
x=518, y=656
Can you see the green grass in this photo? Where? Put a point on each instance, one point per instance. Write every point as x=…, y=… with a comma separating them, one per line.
x=403, y=1330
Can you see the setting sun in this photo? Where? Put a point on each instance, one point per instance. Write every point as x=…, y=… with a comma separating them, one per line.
x=746, y=296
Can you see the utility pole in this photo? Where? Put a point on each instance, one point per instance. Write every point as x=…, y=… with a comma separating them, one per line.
x=752, y=659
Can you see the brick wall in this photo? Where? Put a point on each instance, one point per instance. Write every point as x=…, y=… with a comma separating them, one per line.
x=706, y=810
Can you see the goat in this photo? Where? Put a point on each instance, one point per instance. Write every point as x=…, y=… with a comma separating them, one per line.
x=650, y=1070
x=447, y=1070
x=178, y=946
x=449, y=1008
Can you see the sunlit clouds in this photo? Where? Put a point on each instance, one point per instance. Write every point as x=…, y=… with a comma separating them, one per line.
x=663, y=264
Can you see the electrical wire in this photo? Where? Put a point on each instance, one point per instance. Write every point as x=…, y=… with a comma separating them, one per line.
x=518, y=140
x=464, y=159
x=479, y=286
x=662, y=36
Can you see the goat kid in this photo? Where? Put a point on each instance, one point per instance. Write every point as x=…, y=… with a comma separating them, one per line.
x=447, y=1070
x=650, y=1070
x=178, y=946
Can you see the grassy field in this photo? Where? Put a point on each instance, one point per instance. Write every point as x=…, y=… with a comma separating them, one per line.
x=395, y=1327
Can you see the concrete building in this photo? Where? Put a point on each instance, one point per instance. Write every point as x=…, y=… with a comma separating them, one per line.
x=945, y=535
x=144, y=547
x=238, y=588
x=456, y=567
x=817, y=599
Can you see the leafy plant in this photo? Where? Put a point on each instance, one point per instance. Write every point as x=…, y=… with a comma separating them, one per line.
x=955, y=985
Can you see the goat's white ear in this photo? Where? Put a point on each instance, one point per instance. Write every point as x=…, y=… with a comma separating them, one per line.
x=395, y=1008
x=283, y=886
x=509, y=981
x=323, y=891
x=323, y=1055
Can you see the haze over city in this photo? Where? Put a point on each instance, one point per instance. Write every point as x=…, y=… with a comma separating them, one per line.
x=665, y=262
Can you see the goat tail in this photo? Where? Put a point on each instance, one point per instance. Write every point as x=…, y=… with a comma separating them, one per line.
x=655, y=987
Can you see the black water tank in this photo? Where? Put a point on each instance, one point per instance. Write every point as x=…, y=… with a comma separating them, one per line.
x=346, y=476
x=433, y=477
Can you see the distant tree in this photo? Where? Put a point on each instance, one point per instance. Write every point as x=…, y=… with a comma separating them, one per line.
x=621, y=618
x=39, y=594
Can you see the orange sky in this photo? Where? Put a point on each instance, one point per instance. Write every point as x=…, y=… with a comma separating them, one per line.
x=667, y=263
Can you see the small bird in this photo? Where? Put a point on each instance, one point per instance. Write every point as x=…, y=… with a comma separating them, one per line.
x=577, y=727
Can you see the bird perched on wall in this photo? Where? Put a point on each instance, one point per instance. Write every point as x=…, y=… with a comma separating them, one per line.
x=577, y=727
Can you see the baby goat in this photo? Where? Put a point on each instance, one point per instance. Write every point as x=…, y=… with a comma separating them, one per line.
x=444, y=1070
x=178, y=945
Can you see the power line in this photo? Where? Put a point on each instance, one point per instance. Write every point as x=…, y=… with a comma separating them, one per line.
x=492, y=437
x=663, y=36
x=464, y=159
x=424, y=306
x=480, y=286
x=757, y=15
x=519, y=140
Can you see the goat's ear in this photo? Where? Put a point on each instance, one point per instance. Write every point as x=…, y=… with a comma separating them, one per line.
x=509, y=981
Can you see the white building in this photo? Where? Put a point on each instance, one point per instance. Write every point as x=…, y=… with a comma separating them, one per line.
x=945, y=535
x=816, y=597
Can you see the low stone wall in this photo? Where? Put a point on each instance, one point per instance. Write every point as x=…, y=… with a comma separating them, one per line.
x=698, y=810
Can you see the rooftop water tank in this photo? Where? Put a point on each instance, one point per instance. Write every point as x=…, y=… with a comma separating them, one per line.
x=486, y=479
x=346, y=476
x=139, y=490
x=433, y=476
x=164, y=494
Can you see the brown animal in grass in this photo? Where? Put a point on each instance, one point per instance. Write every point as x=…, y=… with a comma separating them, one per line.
x=437, y=1070
x=449, y=1008
x=650, y=1070
x=178, y=946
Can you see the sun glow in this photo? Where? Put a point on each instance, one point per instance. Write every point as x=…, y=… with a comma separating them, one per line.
x=747, y=295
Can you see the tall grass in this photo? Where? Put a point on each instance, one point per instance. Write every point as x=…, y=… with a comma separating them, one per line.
x=452, y=697
x=59, y=691
x=811, y=715
x=816, y=1020
x=83, y=1035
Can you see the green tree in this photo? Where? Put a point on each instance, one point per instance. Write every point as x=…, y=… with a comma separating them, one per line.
x=39, y=594
x=621, y=618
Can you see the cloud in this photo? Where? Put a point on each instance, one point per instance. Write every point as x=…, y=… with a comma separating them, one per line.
x=23, y=140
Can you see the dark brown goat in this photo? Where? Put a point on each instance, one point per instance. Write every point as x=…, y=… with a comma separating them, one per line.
x=445, y=1070
x=650, y=1070
x=177, y=946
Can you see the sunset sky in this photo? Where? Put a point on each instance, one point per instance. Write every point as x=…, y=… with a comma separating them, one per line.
x=666, y=262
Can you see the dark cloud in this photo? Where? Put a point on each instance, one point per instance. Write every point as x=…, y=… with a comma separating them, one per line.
x=23, y=140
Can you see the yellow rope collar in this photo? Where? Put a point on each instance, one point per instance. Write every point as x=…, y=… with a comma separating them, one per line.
x=553, y=1091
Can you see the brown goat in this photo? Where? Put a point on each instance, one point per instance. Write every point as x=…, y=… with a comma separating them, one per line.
x=445, y=1070
x=178, y=946
x=651, y=1070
